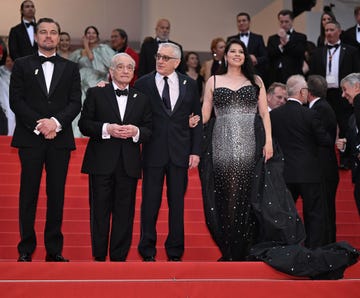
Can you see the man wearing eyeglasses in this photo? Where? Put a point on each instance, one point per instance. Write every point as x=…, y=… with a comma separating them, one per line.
x=117, y=118
x=150, y=46
x=172, y=150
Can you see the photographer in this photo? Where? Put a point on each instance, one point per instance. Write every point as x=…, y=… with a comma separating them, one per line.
x=351, y=91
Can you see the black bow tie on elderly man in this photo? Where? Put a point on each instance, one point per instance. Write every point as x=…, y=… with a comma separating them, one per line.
x=124, y=92
x=244, y=34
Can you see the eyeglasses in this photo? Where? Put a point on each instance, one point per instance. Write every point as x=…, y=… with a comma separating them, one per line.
x=164, y=57
x=122, y=67
x=306, y=89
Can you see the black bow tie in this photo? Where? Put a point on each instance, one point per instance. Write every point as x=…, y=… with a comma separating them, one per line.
x=51, y=59
x=161, y=41
x=358, y=29
x=124, y=92
x=329, y=46
x=30, y=24
x=244, y=34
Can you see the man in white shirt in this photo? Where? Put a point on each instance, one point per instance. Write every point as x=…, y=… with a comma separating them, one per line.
x=21, y=37
x=45, y=95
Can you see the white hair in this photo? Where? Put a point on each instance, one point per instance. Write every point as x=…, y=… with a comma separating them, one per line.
x=176, y=48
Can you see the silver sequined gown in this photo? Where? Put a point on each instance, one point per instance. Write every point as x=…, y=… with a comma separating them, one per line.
x=233, y=145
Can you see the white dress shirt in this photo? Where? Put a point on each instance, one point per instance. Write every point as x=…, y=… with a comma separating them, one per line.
x=122, y=102
x=30, y=31
x=48, y=70
x=173, y=82
x=332, y=78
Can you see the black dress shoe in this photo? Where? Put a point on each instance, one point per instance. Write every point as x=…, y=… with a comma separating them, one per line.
x=149, y=259
x=55, y=258
x=24, y=258
x=174, y=259
x=99, y=259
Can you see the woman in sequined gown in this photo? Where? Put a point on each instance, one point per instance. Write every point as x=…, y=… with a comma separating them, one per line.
x=248, y=209
x=236, y=95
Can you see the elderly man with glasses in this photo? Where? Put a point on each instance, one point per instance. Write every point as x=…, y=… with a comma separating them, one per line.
x=117, y=118
x=172, y=150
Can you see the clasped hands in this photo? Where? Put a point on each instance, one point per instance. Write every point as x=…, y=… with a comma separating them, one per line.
x=47, y=127
x=121, y=131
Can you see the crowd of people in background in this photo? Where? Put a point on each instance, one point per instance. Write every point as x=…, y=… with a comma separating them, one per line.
x=288, y=79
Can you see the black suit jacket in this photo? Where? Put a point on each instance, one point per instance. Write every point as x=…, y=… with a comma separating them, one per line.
x=147, y=62
x=291, y=58
x=299, y=133
x=172, y=139
x=349, y=37
x=30, y=101
x=349, y=61
x=102, y=155
x=327, y=155
x=19, y=42
x=256, y=47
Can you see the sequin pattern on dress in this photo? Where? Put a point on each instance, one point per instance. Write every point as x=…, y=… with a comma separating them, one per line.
x=234, y=159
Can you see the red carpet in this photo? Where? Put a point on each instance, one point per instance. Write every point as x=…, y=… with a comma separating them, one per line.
x=198, y=276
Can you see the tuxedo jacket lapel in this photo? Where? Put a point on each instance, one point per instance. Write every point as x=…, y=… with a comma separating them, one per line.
x=182, y=91
x=111, y=98
x=59, y=67
x=39, y=74
x=341, y=56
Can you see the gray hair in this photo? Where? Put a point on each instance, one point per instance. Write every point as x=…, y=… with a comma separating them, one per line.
x=176, y=48
x=114, y=59
x=294, y=84
x=351, y=79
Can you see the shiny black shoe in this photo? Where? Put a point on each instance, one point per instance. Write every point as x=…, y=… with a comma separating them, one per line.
x=24, y=258
x=174, y=259
x=149, y=259
x=99, y=259
x=55, y=258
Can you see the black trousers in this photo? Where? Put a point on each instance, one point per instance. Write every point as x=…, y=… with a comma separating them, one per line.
x=314, y=212
x=176, y=182
x=56, y=163
x=112, y=197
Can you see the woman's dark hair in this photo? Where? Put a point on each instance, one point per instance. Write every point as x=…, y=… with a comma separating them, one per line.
x=92, y=27
x=333, y=18
x=197, y=56
x=123, y=35
x=247, y=67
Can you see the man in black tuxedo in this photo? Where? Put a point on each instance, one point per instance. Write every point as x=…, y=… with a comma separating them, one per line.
x=45, y=95
x=172, y=150
x=117, y=119
x=21, y=37
x=351, y=91
x=150, y=46
x=254, y=43
x=334, y=61
x=317, y=86
x=352, y=35
x=299, y=133
x=286, y=49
